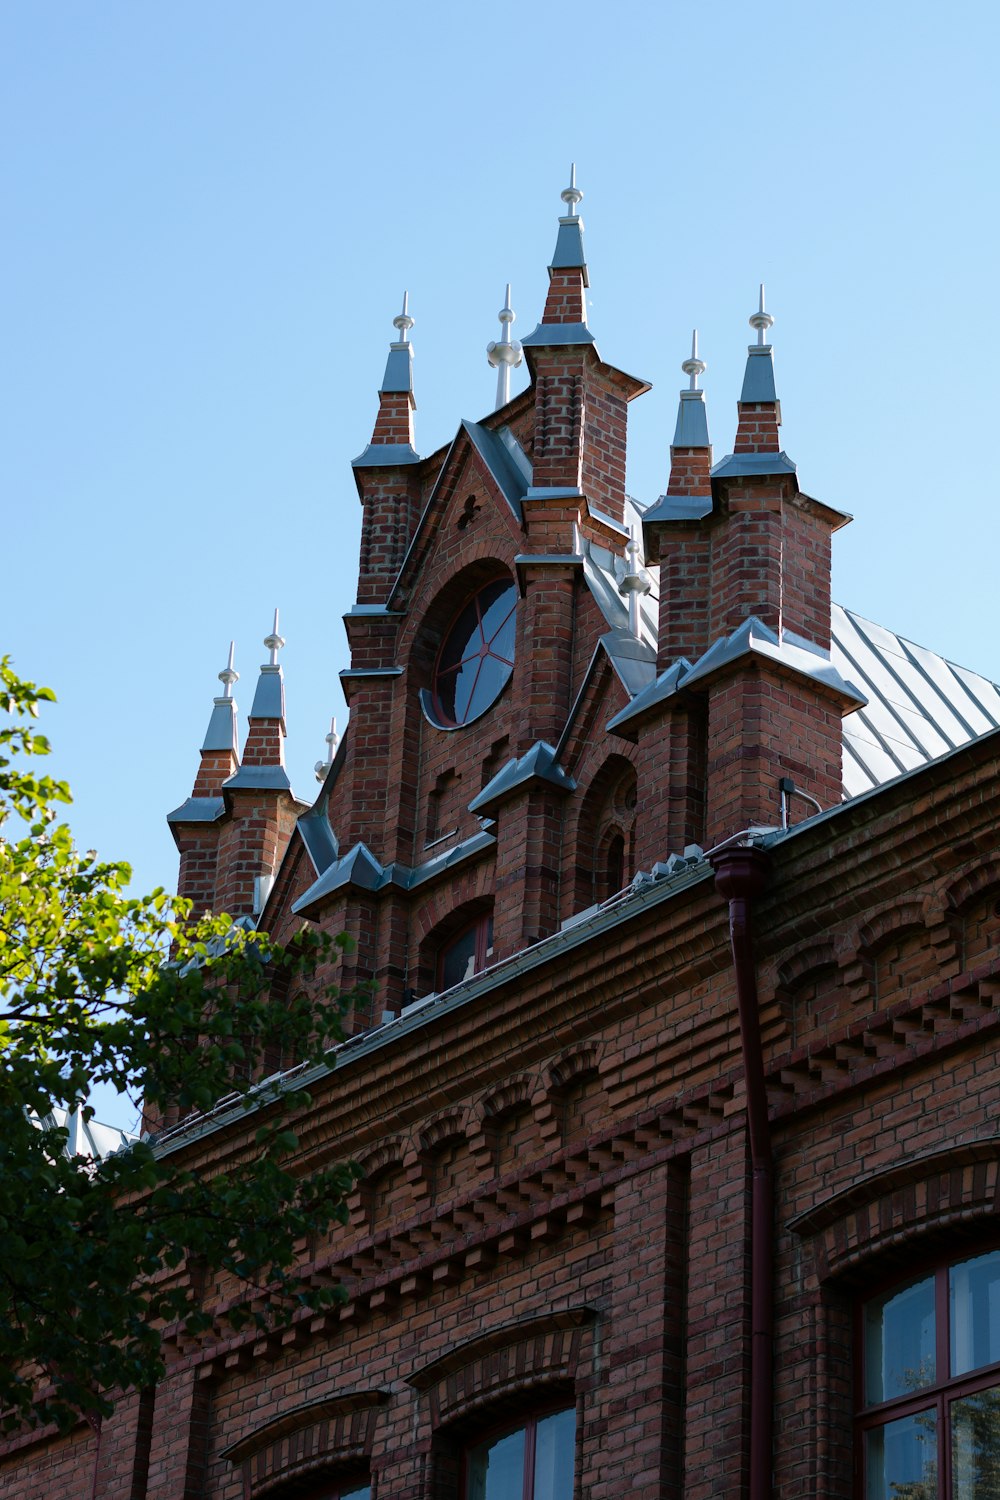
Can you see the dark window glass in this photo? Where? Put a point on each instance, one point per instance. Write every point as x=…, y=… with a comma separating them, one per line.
x=931, y=1427
x=974, y=1310
x=899, y=1342
x=467, y=953
x=901, y=1459
x=477, y=657
x=534, y=1462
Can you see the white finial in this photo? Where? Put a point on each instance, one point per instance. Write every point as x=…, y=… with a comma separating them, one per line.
x=274, y=642
x=761, y=320
x=332, y=741
x=402, y=320
x=634, y=585
x=571, y=196
x=229, y=675
x=694, y=366
x=506, y=354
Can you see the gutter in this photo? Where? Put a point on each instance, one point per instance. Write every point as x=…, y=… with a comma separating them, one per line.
x=646, y=891
x=740, y=875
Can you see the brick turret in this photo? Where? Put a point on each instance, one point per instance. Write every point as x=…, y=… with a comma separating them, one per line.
x=384, y=473
x=746, y=693
x=774, y=700
x=195, y=824
x=260, y=809
x=580, y=402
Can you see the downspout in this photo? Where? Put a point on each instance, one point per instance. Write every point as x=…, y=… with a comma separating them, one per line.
x=740, y=875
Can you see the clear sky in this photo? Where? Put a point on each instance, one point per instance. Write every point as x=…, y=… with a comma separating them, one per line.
x=211, y=212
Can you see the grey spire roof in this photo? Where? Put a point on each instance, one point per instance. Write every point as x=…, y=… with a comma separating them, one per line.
x=692, y=416
x=569, y=254
x=399, y=366
x=269, y=699
x=758, y=381
x=221, y=732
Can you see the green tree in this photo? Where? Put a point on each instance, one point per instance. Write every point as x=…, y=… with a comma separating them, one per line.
x=97, y=986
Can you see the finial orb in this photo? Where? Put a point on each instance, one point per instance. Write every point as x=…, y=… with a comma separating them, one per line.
x=572, y=195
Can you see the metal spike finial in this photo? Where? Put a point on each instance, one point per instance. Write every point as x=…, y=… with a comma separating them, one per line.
x=761, y=320
x=402, y=321
x=332, y=742
x=694, y=367
x=506, y=354
x=572, y=195
x=229, y=675
x=274, y=641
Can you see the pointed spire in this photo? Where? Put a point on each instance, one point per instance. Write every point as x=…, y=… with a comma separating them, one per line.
x=692, y=417
x=392, y=436
x=506, y=354
x=269, y=699
x=569, y=241
x=758, y=430
x=221, y=732
x=399, y=366
x=566, y=302
x=332, y=744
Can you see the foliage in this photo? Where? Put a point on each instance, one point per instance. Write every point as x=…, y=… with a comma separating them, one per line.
x=97, y=986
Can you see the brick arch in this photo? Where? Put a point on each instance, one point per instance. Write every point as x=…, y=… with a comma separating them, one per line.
x=981, y=881
x=444, y=917
x=376, y=1165
x=576, y=1062
x=451, y=1125
x=604, y=813
x=515, y=1093
x=895, y=921
x=388, y=1153
x=498, y=1370
x=918, y=1198
x=972, y=916
x=804, y=962
x=315, y=1439
x=436, y=913
x=438, y=599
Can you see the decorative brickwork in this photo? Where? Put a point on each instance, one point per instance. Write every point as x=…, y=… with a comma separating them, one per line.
x=559, y=1212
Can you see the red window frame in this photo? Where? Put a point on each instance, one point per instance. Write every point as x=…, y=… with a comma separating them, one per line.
x=946, y=1388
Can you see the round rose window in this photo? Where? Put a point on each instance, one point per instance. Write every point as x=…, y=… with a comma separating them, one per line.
x=477, y=657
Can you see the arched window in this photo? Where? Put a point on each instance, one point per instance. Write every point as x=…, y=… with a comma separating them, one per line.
x=467, y=952
x=477, y=656
x=531, y=1462
x=929, y=1426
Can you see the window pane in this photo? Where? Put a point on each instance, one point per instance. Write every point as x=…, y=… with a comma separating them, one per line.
x=554, y=1443
x=899, y=1342
x=975, y=1446
x=901, y=1459
x=364, y=1493
x=497, y=604
x=496, y=1470
x=458, y=960
x=974, y=1299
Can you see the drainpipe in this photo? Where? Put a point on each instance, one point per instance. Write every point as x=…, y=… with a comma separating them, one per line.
x=740, y=874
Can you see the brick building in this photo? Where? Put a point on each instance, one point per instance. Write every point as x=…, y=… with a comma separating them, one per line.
x=678, y=1098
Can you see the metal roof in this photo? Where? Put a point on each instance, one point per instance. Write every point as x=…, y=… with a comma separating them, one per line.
x=919, y=705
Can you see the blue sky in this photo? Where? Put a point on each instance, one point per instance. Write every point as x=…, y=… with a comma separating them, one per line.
x=212, y=211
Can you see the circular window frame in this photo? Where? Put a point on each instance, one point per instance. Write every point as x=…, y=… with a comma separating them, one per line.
x=430, y=699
